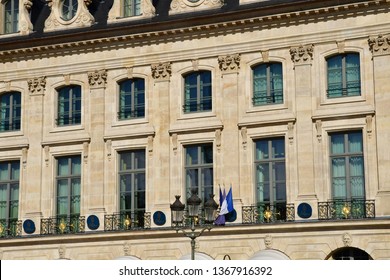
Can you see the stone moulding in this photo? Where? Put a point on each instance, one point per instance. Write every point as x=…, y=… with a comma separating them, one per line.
x=101, y=43
x=179, y=6
x=379, y=45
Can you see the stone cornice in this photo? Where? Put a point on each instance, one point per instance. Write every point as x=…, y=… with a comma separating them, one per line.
x=113, y=36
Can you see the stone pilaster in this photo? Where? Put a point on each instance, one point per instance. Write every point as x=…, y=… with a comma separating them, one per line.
x=160, y=184
x=94, y=152
x=380, y=48
x=302, y=57
x=228, y=142
x=32, y=158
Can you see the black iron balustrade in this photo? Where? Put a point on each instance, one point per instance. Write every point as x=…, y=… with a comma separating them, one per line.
x=261, y=97
x=10, y=228
x=126, y=112
x=266, y=213
x=127, y=221
x=193, y=105
x=63, y=225
x=346, y=209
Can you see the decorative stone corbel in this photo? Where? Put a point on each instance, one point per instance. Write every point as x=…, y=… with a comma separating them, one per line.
x=265, y=55
x=218, y=139
x=347, y=239
x=130, y=72
x=319, y=130
x=85, y=151
x=109, y=149
x=244, y=136
x=379, y=45
x=47, y=155
x=126, y=249
x=161, y=71
x=67, y=79
x=341, y=46
x=24, y=157
x=369, y=126
x=55, y=21
x=174, y=143
x=25, y=25
x=268, y=241
x=150, y=145
x=229, y=63
x=290, y=132
x=195, y=64
x=97, y=79
x=37, y=86
x=7, y=85
x=302, y=54
x=61, y=252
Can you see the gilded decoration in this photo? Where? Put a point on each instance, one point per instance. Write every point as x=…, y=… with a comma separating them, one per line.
x=379, y=45
x=161, y=71
x=37, y=85
x=302, y=54
x=229, y=63
x=97, y=78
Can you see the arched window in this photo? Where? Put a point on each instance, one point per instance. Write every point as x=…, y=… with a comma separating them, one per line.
x=131, y=99
x=343, y=75
x=131, y=8
x=350, y=253
x=69, y=105
x=10, y=108
x=267, y=84
x=197, y=92
x=11, y=16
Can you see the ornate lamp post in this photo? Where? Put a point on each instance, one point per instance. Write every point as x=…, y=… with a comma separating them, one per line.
x=180, y=217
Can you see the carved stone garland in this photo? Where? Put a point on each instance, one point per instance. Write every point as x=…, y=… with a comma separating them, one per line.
x=379, y=45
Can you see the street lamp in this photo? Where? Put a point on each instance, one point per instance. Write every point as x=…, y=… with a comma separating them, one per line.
x=180, y=217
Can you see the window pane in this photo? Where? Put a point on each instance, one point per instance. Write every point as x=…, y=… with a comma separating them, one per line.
x=357, y=176
x=76, y=165
x=355, y=142
x=192, y=178
x=337, y=144
x=278, y=148
x=125, y=201
x=207, y=152
x=139, y=157
x=353, y=74
x=339, y=179
x=4, y=174
x=125, y=183
x=262, y=150
x=63, y=166
x=192, y=155
x=335, y=76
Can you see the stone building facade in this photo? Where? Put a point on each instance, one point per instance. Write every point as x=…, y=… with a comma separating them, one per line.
x=110, y=109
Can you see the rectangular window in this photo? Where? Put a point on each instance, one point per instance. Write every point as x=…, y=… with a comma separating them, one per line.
x=9, y=197
x=131, y=99
x=267, y=84
x=69, y=106
x=347, y=165
x=271, y=178
x=197, y=92
x=68, y=181
x=11, y=16
x=10, y=109
x=132, y=187
x=343, y=75
x=131, y=8
x=199, y=170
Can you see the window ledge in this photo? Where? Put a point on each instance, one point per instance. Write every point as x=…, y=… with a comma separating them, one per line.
x=67, y=128
x=196, y=115
x=127, y=122
x=342, y=100
x=265, y=108
x=209, y=123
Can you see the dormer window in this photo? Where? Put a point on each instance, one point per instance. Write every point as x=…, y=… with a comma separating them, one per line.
x=131, y=8
x=11, y=16
x=69, y=9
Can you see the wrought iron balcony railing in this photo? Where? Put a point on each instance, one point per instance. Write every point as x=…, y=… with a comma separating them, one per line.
x=266, y=213
x=127, y=221
x=10, y=228
x=346, y=209
x=63, y=225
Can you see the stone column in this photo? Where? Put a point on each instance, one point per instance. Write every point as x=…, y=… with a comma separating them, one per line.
x=32, y=158
x=159, y=188
x=94, y=151
x=227, y=140
x=302, y=57
x=380, y=48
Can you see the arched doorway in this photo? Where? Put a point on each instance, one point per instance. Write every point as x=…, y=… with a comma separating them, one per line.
x=269, y=254
x=349, y=253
